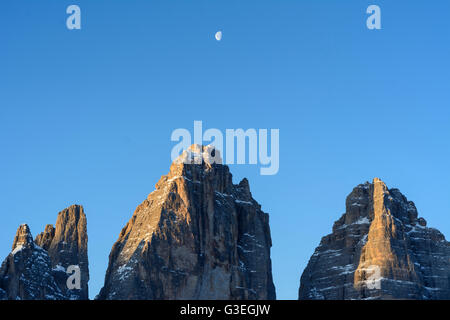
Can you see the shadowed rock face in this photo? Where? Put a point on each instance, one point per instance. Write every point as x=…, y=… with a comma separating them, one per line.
x=26, y=273
x=36, y=270
x=379, y=249
x=197, y=236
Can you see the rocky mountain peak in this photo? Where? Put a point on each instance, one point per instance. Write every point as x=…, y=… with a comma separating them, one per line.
x=37, y=269
x=23, y=237
x=69, y=246
x=44, y=239
x=70, y=235
x=196, y=236
x=26, y=273
x=379, y=249
x=199, y=154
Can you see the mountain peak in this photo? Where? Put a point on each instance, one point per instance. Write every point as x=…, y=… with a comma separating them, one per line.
x=377, y=180
x=198, y=154
x=37, y=269
x=379, y=249
x=196, y=236
x=23, y=237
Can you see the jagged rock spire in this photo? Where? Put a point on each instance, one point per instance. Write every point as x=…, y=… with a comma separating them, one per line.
x=44, y=239
x=67, y=244
x=37, y=269
x=26, y=273
x=23, y=237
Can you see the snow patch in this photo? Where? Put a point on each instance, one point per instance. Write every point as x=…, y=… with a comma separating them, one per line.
x=60, y=268
x=17, y=249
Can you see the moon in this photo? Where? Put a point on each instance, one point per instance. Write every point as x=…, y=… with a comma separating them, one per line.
x=218, y=35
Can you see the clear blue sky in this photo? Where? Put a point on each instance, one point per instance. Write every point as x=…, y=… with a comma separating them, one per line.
x=86, y=116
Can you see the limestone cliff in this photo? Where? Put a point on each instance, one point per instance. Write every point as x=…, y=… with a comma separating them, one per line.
x=379, y=249
x=197, y=236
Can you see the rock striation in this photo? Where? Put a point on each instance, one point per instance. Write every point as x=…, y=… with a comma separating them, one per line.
x=379, y=249
x=36, y=270
x=197, y=236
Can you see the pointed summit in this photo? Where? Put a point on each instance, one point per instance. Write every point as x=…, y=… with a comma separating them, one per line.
x=44, y=239
x=377, y=180
x=244, y=186
x=26, y=273
x=23, y=237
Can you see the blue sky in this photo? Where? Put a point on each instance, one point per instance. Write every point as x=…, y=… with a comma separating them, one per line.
x=86, y=116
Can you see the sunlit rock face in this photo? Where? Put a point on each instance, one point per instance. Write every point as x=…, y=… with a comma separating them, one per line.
x=197, y=236
x=379, y=249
